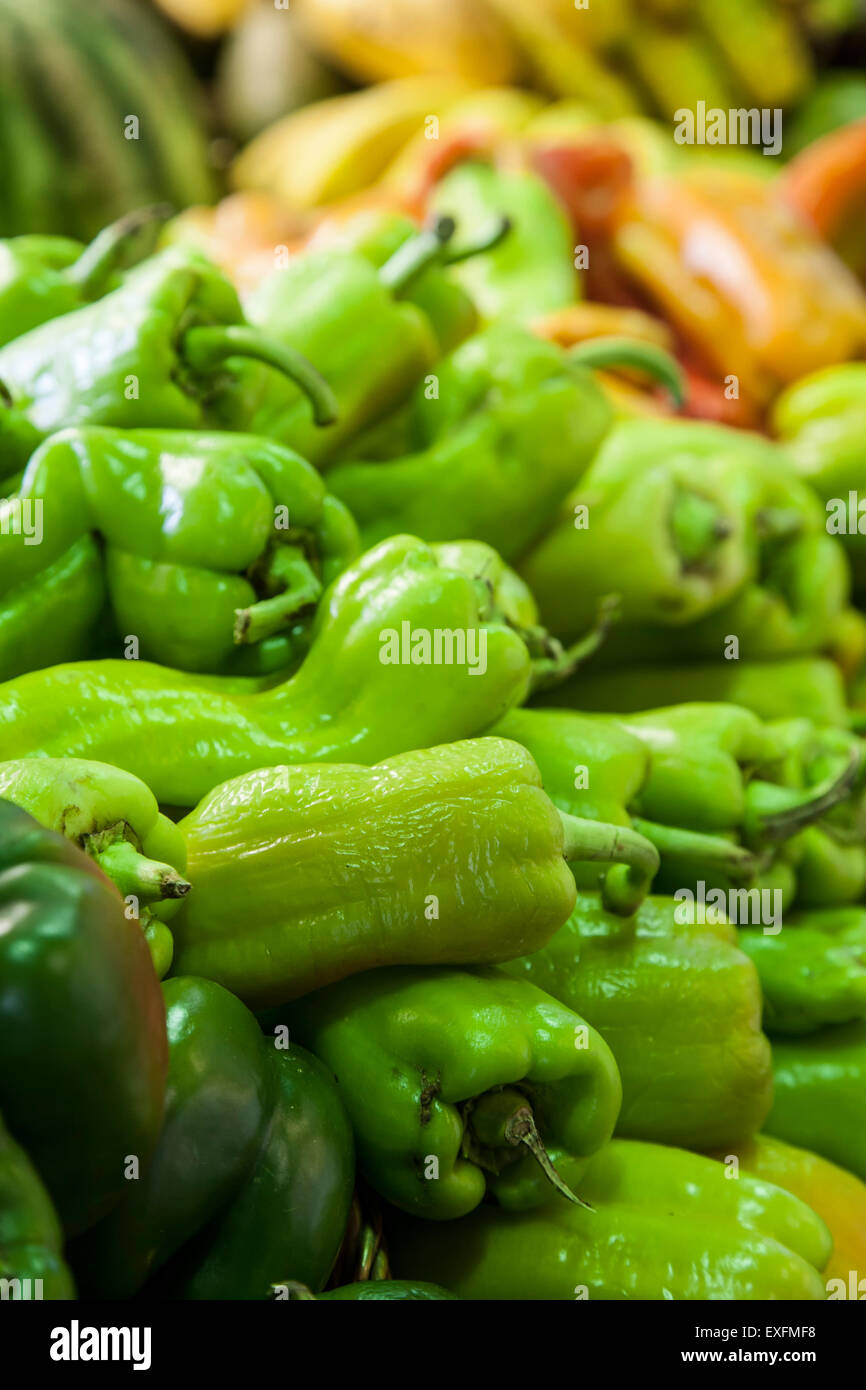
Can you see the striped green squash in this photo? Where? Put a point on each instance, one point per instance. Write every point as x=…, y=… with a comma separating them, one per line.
x=75, y=77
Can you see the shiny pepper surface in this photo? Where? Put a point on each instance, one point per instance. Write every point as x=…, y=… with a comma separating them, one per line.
x=183, y=735
x=305, y=875
x=449, y=1076
x=82, y=1022
x=819, y=1094
x=31, y=1239
x=215, y=549
x=666, y=1224
x=706, y=1077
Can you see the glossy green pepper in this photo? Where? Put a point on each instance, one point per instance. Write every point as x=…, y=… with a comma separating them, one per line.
x=31, y=1241
x=357, y=322
x=442, y=856
x=491, y=453
x=115, y=819
x=703, y=532
x=679, y=1006
x=455, y=1077
x=182, y=735
x=251, y=1179
x=666, y=1225
x=809, y=687
x=813, y=972
x=82, y=1023
x=532, y=272
x=376, y=1291
x=819, y=1094
x=216, y=547
x=822, y=422
x=163, y=350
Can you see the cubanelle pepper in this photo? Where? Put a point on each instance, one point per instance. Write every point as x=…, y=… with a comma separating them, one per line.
x=452, y=1077
x=115, y=819
x=82, y=1022
x=184, y=734
x=251, y=1178
x=212, y=549
x=666, y=1224
x=452, y=855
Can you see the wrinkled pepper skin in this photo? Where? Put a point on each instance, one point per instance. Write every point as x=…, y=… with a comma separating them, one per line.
x=819, y=1094
x=836, y=1196
x=31, y=1239
x=115, y=819
x=216, y=546
x=706, y=1077
x=82, y=1021
x=810, y=687
x=184, y=735
x=813, y=973
x=252, y=1176
x=418, y=1053
x=698, y=528
x=151, y=354
x=821, y=420
x=755, y=1240
x=444, y=856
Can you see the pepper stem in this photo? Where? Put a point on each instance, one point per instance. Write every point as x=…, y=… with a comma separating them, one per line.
x=505, y=1118
x=132, y=873
x=206, y=348
x=631, y=352
x=697, y=526
x=559, y=662
x=636, y=860
x=101, y=257
x=416, y=255
x=491, y=234
x=714, y=851
x=775, y=813
x=291, y=568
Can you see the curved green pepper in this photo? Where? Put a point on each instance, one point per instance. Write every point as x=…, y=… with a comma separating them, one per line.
x=666, y=1225
x=31, y=1241
x=82, y=1023
x=819, y=1094
x=304, y=875
x=454, y=1078
x=42, y=277
x=251, y=1179
x=813, y=972
x=182, y=735
x=216, y=546
x=164, y=350
x=115, y=819
x=680, y=1008
x=492, y=452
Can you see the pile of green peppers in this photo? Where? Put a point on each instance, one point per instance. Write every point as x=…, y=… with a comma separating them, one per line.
x=432, y=806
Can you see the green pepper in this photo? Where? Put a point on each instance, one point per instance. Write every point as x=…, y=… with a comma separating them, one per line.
x=453, y=1078
x=666, y=1225
x=115, y=819
x=822, y=422
x=357, y=322
x=82, y=1023
x=376, y=1291
x=699, y=529
x=532, y=272
x=819, y=1094
x=812, y=973
x=166, y=349
x=31, y=1241
x=182, y=735
x=216, y=547
x=451, y=855
x=491, y=453
x=251, y=1178
x=800, y=686
x=679, y=1006
x=42, y=277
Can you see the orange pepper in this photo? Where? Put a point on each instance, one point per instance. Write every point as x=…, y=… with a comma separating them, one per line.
x=744, y=280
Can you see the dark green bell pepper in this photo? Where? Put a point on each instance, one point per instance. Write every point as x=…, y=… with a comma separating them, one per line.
x=31, y=1240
